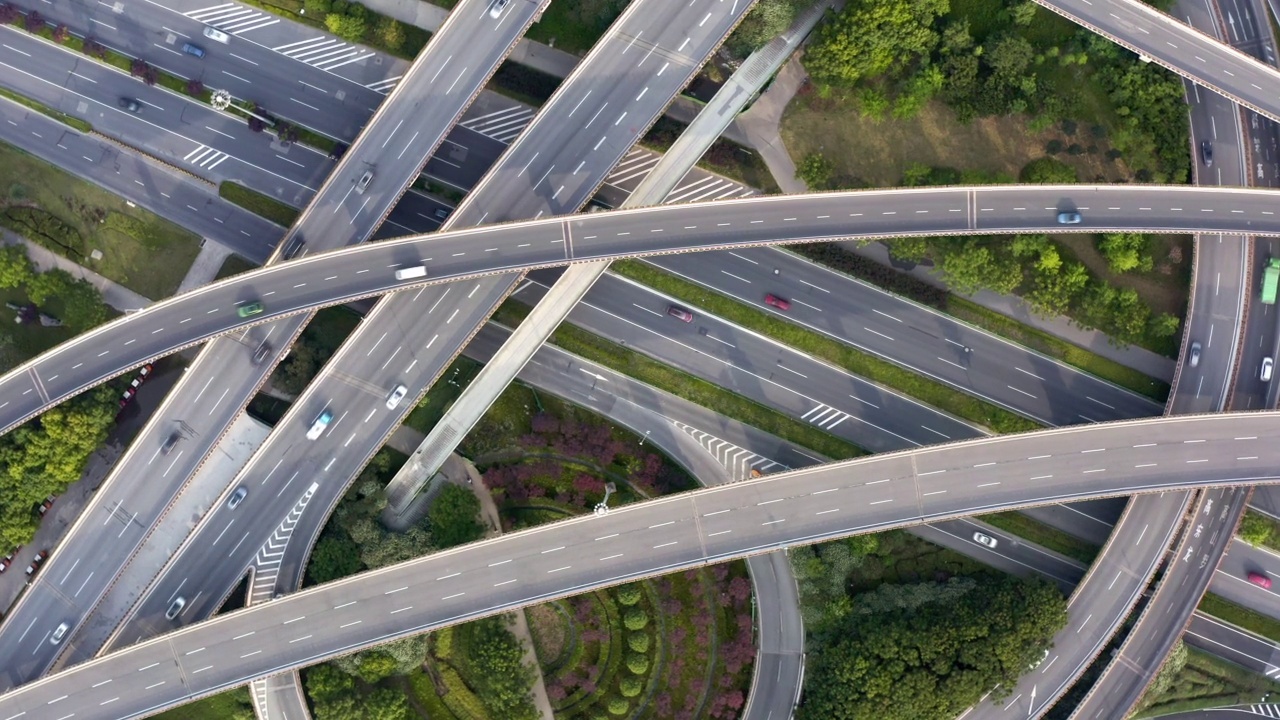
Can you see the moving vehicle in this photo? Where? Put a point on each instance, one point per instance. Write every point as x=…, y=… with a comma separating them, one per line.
x=441, y=213
x=1260, y=580
x=131, y=105
x=985, y=540
x=495, y=8
x=1193, y=357
x=169, y=443
x=1267, y=366
x=1069, y=218
x=319, y=424
x=252, y=308
x=1270, y=279
x=59, y=633
x=261, y=353
x=775, y=301
x=216, y=35
x=1206, y=153
x=296, y=243
x=409, y=273
x=237, y=497
x=363, y=183
x=193, y=50
x=35, y=563
x=679, y=313
x=175, y=607
x=396, y=396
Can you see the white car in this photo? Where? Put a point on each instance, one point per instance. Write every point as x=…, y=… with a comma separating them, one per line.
x=216, y=35
x=985, y=540
x=319, y=424
x=59, y=633
x=396, y=396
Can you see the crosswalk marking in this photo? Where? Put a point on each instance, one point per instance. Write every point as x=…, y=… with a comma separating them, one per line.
x=232, y=18
x=266, y=563
x=206, y=157
x=501, y=125
x=825, y=416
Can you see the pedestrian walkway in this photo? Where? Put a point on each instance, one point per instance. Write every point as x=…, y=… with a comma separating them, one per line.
x=205, y=267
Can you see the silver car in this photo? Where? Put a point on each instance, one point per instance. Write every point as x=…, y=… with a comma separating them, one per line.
x=59, y=633
x=1193, y=357
x=237, y=497
x=985, y=540
x=175, y=608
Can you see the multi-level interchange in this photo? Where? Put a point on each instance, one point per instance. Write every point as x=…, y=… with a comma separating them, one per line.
x=114, y=623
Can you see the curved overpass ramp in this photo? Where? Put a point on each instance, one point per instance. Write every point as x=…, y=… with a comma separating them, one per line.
x=660, y=536
x=358, y=272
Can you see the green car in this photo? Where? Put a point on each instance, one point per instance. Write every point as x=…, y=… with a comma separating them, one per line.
x=252, y=308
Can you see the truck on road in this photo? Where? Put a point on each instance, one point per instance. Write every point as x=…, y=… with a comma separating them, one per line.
x=1270, y=280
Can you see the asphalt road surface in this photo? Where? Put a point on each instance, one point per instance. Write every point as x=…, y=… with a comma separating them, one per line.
x=659, y=536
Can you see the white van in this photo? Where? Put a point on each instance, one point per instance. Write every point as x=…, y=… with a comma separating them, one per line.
x=410, y=273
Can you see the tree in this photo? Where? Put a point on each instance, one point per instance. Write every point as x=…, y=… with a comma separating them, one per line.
x=628, y=594
x=452, y=517
x=256, y=124
x=630, y=687
x=1047, y=170
x=386, y=703
x=1126, y=252
x=815, y=171
x=15, y=267
x=1254, y=529
x=767, y=20
x=390, y=33
x=504, y=680
x=871, y=38
x=334, y=557
x=60, y=34
x=974, y=264
x=637, y=663
x=1055, y=293
x=635, y=619
x=619, y=707
x=293, y=375
x=936, y=658
x=1167, y=677
x=333, y=693
x=639, y=642
x=195, y=87
x=1023, y=14
x=347, y=27
x=34, y=22
x=8, y=13
x=317, y=8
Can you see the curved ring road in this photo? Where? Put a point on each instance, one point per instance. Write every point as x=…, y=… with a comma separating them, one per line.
x=656, y=537
x=357, y=272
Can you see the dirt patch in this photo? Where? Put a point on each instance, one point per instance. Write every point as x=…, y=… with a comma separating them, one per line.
x=874, y=153
x=550, y=630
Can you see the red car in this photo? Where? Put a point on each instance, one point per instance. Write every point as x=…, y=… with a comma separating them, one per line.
x=1260, y=580
x=35, y=564
x=127, y=396
x=777, y=302
x=679, y=313
x=144, y=372
x=48, y=503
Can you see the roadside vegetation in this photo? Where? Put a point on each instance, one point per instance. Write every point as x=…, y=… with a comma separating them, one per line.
x=230, y=705
x=1250, y=620
x=1259, y=530
x=900, y=628
x=278, y=212
x=65, y=119
x=1192, y=679
x=1047, y=536
x=92, y=227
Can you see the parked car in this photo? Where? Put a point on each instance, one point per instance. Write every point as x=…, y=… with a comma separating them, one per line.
x=35, y=563
x=8, y=559
x=780, y=303
x=48, y=503
x=175, y=607
x=1260, y=580
x=1193, y=357
x=1206, y=153
x=985, y=540
x=252, y=308
x=1069, y=218
x=144, y=372
x=131, y=105
x=127, y=396
x=396, y=396
x=216, y=35
x=679, y=313
x=237, y=497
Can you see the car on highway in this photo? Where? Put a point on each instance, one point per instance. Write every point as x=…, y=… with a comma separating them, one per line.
x=170, y=443
x=216, y=35
x=1069, y=218
x=1267, y=366
x=679, y=313
x=193, y=50
x=985, y=540
x=1037, y=663
x=261, y=353
x=237, y=497
x=296, y=243
x=1260, y=580
x=131, y=105
x=36, y=561
x=1193, y=357
x=252, y=308
x=363, y=183
x=319, y=424
x=496, y=7
x=1206, y=153
x=775, y=301
x=59, y=633
x=396, y=396
x=175, y=607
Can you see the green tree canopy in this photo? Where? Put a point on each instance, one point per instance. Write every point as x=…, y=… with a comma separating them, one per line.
x=453, y=517
x=870, y=38
x=1126, y=252
x=15, y=267
x=1047, y=170
x=505, y=681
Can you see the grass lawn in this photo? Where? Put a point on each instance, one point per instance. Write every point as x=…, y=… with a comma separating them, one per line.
x=74, y=218
x=234, y=265
x=1224, y=609
x=223, y=706
x=575, y=26
x=43, y=109
x=878, y=153
x=442, y=394
x=255, y=202
x=1209, y=682
x=19, y=343
x=855, y=361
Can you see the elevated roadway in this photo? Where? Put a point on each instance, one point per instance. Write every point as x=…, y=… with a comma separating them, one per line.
x=353, y=273
x=658, y=536
x=415, y=120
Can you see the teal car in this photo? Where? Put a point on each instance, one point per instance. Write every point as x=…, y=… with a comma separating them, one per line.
x=252, y=308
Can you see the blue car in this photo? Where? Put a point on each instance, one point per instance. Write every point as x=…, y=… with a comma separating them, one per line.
x=1069, y=218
